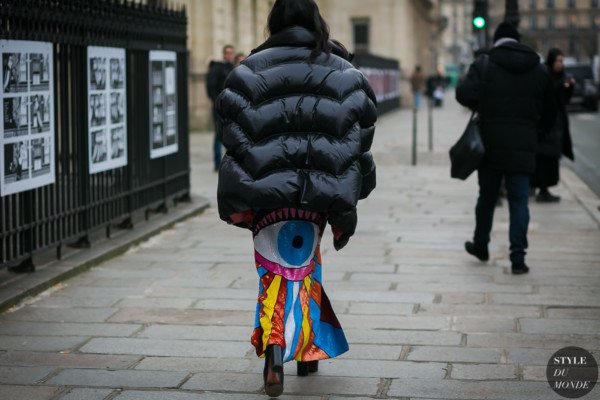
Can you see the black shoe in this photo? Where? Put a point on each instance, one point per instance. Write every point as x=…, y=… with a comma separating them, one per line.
x=519, y=268
x=306, y=367
x=547, y=197
x=273, y=372
x=478, y=251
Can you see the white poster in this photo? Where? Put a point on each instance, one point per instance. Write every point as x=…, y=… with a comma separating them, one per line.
x=27, y=118
x=163, y=103
x=107, y=108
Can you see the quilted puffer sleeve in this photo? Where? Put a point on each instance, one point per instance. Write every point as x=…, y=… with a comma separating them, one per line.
x=367, y=131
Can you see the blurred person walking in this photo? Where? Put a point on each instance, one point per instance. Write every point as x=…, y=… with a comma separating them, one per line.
x=436, y=86
x=512, y=92
x=215, y=82
x=557, y=141
x=298, y=123
x=417, y=84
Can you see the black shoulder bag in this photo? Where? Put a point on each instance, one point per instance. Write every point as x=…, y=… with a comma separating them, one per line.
x=468, y=151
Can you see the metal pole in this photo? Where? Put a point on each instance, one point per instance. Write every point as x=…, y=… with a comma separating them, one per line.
x=430, y=123
x=511, y=12
x=430, y=133
x=414, y=138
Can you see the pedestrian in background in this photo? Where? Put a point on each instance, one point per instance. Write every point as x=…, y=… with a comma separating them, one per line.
x=417, y=84
x=239, y=57
x=512, y=91
x=215, y=82
x=298, y=122
x=436, y=86
x=557, y=141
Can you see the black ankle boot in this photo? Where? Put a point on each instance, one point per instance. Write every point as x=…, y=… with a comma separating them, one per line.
x=273, y=372
x=306, y=367
x=546, y=197
x=519, y=268
x=480, y=252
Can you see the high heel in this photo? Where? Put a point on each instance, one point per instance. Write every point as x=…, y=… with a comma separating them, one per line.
x=273, y=372
x=306, y=367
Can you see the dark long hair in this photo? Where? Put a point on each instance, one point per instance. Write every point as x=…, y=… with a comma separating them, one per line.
x=305, y=13
x=552, y=56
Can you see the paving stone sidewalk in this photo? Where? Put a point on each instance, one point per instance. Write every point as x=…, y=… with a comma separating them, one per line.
x=171, y=318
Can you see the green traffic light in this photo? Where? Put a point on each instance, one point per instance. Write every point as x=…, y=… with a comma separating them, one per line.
x=479, y=22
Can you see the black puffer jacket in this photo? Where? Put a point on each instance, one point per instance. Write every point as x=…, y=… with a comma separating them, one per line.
x=297, y=134
x=517, y=105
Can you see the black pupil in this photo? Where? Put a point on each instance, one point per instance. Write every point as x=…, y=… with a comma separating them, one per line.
x=297, y=242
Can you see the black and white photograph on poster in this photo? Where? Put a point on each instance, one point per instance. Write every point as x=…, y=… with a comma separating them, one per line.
x=117, y=107
x=27, y=118
x=97, y=73
x=99, y=146
x=15, y=116
x=97, y=109
x=14, y=72
x=117, y=73
x=40, y=113
x=117, y=142
x=16, y=163
x=40, y=157
x=163, y=103
x=107, y=108
x=39, y=67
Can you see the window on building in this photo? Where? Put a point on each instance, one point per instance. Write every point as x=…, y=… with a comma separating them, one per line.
x=551, y=22
x=532, y=22
x=532, y=4
x=573, y=21
x=572, y=4
x=594, y=3
x=361, y=34
x=549, y=3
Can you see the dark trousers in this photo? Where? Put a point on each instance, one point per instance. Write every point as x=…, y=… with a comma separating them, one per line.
x=517, y=191
x=217, y=137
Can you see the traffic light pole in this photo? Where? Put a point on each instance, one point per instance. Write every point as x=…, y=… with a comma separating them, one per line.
x=480, y=22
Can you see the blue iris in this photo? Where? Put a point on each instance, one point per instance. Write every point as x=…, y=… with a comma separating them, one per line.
x=295, y=241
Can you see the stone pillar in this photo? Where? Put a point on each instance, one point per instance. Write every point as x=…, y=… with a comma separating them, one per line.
x=244, y=26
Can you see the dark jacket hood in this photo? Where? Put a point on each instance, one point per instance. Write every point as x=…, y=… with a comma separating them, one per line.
x=515, y=57
x=297, y=36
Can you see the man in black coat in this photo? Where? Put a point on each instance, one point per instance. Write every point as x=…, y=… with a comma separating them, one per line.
x=512, y=91
x=215, y=82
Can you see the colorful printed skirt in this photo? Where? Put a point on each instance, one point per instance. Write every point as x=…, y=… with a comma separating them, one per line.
x=293, y=310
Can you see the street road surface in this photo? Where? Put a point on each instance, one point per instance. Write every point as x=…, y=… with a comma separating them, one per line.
x=585, y=131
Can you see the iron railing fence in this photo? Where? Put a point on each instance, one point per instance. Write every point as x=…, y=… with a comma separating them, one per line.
x=65, y=211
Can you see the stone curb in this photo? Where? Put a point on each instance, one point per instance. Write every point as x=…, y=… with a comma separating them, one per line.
x=582, y=193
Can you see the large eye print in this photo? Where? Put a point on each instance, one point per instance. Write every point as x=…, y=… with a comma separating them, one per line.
x=287, y=247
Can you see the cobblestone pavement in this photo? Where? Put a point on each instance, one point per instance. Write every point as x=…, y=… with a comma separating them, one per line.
x=171, y=319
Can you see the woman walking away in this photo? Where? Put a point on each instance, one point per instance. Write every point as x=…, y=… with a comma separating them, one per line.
x=298, y=122
x=557, y=142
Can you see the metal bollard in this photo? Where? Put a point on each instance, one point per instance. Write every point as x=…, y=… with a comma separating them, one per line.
x=414, y=137
x=430, y=124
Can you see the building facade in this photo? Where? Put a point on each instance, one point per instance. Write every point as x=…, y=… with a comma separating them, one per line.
x=571, y=25
x=399, y=29
x=457, y=39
